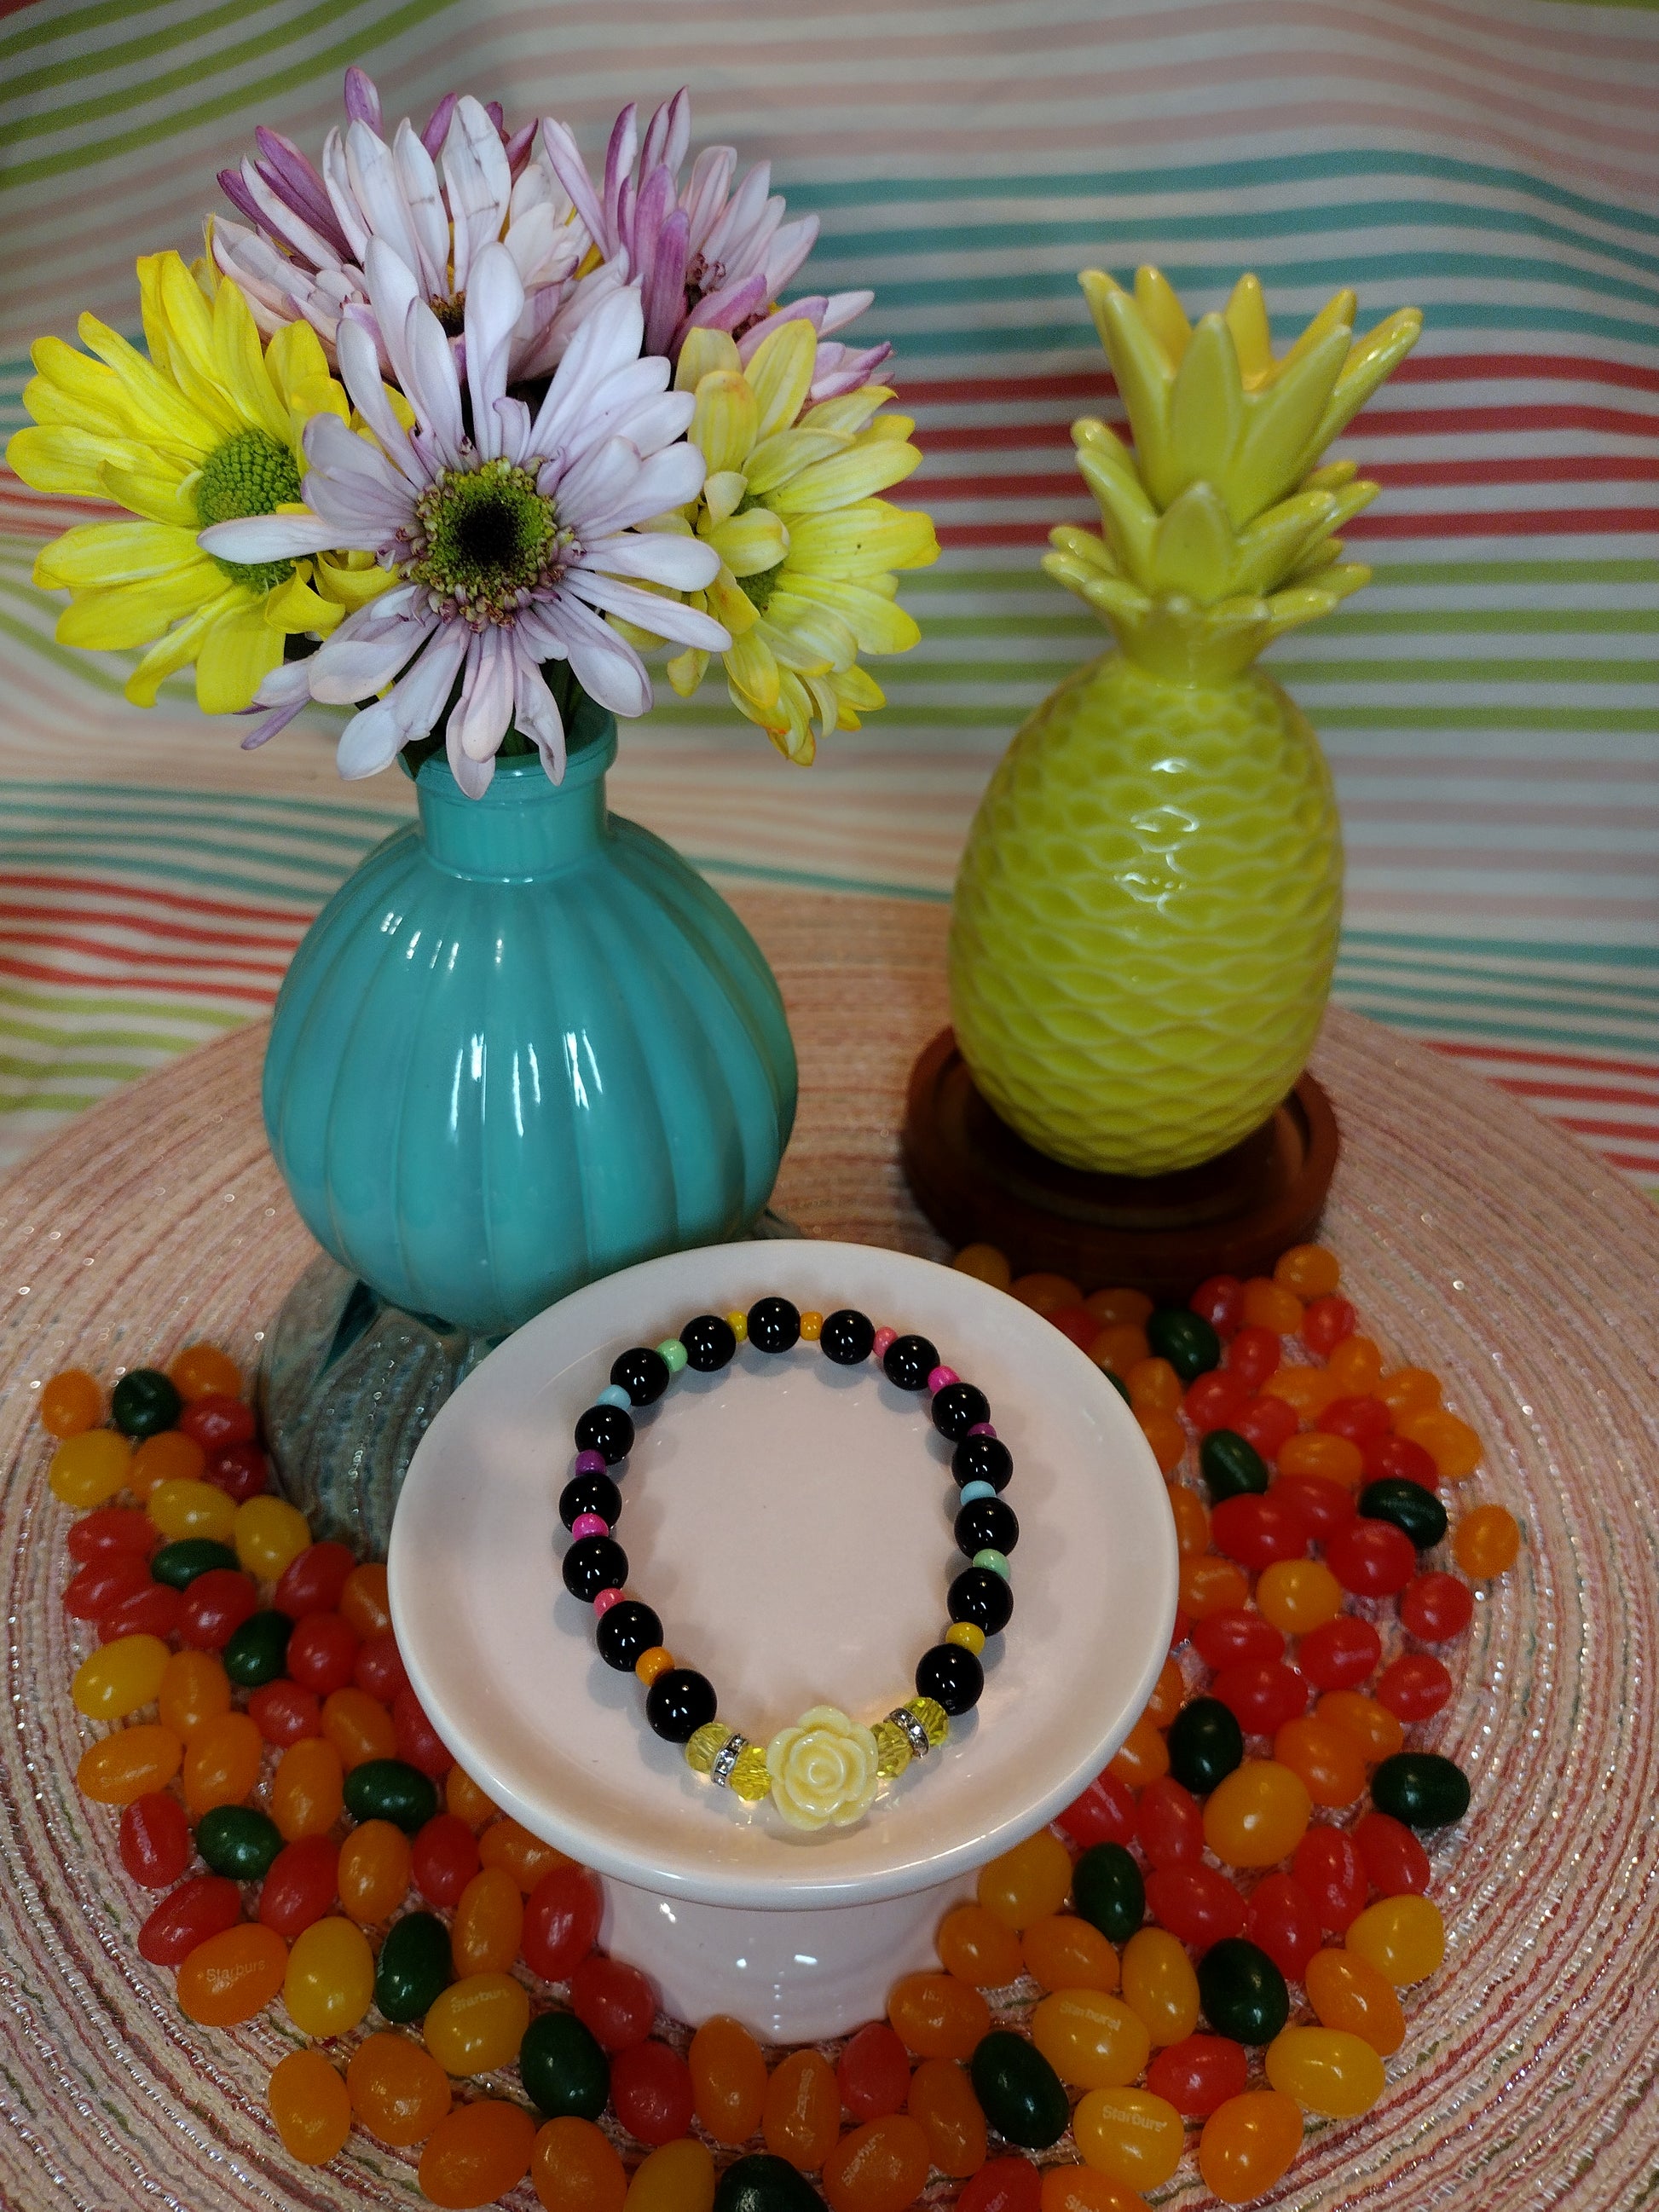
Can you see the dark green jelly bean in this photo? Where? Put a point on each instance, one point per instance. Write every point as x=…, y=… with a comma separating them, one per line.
x=258, y=1650
x=1185, y=1339
x=1019, y=2091
x=390, y=1789
x=761, y=2183
x=1108, y=1890
x=564, y=2069
x=144, y=1402
x=179, y=1564
x=414, y=1967
x=1205, y=1744
x=238, y=1840
x=1231, y=1466
x=1421, y=1789
x=1117, y=1384
x=1409, y=1506
x=1241, y=1992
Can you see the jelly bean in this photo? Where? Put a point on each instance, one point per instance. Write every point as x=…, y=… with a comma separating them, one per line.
x=985, y=1264
x=444, y=1859
x=1198, y=2074
x=1257, y=1815
x=728, y=2080
x=89, y=1468
x=1281, y=1919
x=562, y=2067
x=201, y=1370
x=1076, y=1322
x=936, y=2016
x=1154, y=1387
x=1185, y=1339
x=377, y=1667
x=1242, y=1992
x=322, y=1653
x=873, y=2072
x=1347, y=1992
x=613, y=2000
x=1416, y=1512
x=1487, y=1542
x=256, y=1650
x=154, y=1610
x=1231, y=1466
x=364, y=1602
x=313, y=1580
x=204, y=1905
x=1326, y=1322
x=180, y=1508
x=1210, y=1586
x=574, y=2169
x=1025, y=1884
x=976, y=1946
x=761, y=2183
x=1165, y=1437
x=1330, y=1764
x=130, y=1764
x=1356, y=1366
x=1396, y=1459
x=1141, y=1756
x=1403, y=1937
x=1225, y=1639
x=1045, y=1292
x=1320, y=1506
x=1420, y=1789
x=1306, y=1390
x=1205, y=1744
x=1191, y=1518
x=155, y=1841
x=1271, y=1305
x=168, y=1457
x=269, y=1534
x=1333, y=1459
x=1340, y=1654
x=943, y=2105
x=1018, y=2090
x=1264, y=1424
x=419, y=1744
x=1297, y=1594
x=233, y=1976
x=1247, y=2144
x=651, y=2091
x=214, y=1607
x=398, y=2090
x=1169, y=1825
x=1092, y=2040
x=1220, y=1300
x=110, y=1532
x=1216, y=1400
x=476, y=2153
x=1452, y=1444
x=307, y=1790
x=561, y=1922
x=679, y=2177
x=1436, y=1607
x=1119, y=1346
x=1329, y=1868
x=1159, y=1985
x=374, y=1872
x=1311, y=1271
x=1257, y=1531
x=242, y=1471
x=121, y=1678
x=1104, y=1813
x=143, y=1402
x=1409, y=1390
x=216, y=1418
x=70, y=1403
x=1369, y=1726
x=1413, y=1687
x=358, y=1726
x=1196, y=1904
x=1326, y=2070
x=179, y=1565
x=1262, y=1694
x=1109, y=1892
x=1253, y=1355
x=414, y=1970
x=221, y=1763
x=302, y=1885
x=1395, y=1863
x=462, y=1794
x=801, y=2117
x=484, y=1935
x=330, y=1982
x=309, y=2106
x=283, y=1713
x=1007, y=2184
x=1067, y=1953
x=1130, y=2135
x=526, y=1858
x=238, y=1840
x=1362, y=1421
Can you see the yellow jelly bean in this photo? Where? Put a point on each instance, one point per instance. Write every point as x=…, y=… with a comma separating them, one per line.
x=678, y=2177
x=479, y=2023
x=268, y=1532
x=1160, y=1985
x=1028, y=1882
x=89, y=1468
x=1326, y=2070
x=1129, y=2136
x=1257, y=1814
x=1297, y=1594
x=330, y=1982
x=1403, y=1937
x=1092, y=2040
x=179, y=1508
x=128, y=1764
x=119, y=1678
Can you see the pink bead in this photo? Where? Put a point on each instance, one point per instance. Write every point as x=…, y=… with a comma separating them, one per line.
x=605, y=1599
x=589, y=1463
x=941, y=1376
x=982, y=1429
x=590, y=1524
x=884, y=1337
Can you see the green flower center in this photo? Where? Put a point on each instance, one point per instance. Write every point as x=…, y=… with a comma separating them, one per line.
x=758, y=588
x=485, y=540
x=252, y=473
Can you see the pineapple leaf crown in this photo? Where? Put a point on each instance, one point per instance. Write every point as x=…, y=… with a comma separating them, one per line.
x=1219, y=528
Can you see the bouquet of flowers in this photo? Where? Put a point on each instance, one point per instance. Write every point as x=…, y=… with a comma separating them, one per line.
x=446, y=430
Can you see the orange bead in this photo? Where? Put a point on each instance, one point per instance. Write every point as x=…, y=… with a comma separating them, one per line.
x=978, y=1948
x=1347, y=1992
x=1080, y=2188
x=310, y=2107
x=936, y=2016
x=195, y=1690
x=943, y=2105
x=233, y=1976
x=728, y=2080
x=373, y=1876
x=1373, y=1727
x=1153, y=1387
x=574, y=2169
x=1270, y=1305
x=1297, y=1594
x=504, y=1843
x=1046, y=1293
x=307, y=1792
x=1169, y=1693
x=1119, y=1347
x=364, y=1602
x=358, y=1726
x=649, y=1664
x=1065, y=1953
x=170, y=1456
x=985, y=1264
x=222, y=1763
x=1247, y=2144
x=1310, y=1271
x=201, y=1370
x=1337, y=1458
x=1452, y=1444
x=1330, y=1763
x=801, y=2118
x=398, y=2090
x=1357, y=1364
x=463, y=1798
x=1212, y=1585
x=1111, y=1307
x=1306, y=1390
x=1487, y=1542
x=879, y=2167
x=71, y=1402
x=1027, y=1883
x=476, y=2153
x=1167, y=1438
x=1192, y=1519
x=1408, y=1390
x=488, y=1922
x=128, y=1764
x=1142, y=1756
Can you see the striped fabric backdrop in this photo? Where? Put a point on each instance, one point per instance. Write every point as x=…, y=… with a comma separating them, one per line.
x=1491, y=704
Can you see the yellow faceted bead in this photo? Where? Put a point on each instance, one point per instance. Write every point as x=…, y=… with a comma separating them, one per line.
x=649, y=1664
x=90, y=1467
x=893, y=1748
x=811, y=1327
x=739, y=1325
x=968, y=1634
x=934, y=1717
x=267, y=1534
x=750, y=1779
x=709, y=1740
x=180, y=1508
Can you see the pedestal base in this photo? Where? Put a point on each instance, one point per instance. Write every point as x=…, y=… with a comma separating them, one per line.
x=976, y=1180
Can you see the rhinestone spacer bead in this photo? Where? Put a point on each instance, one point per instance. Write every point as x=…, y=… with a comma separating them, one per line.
x=726, y=1758
x=902, y=1717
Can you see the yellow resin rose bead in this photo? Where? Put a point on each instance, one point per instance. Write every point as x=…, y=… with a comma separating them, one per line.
x=824, y=1770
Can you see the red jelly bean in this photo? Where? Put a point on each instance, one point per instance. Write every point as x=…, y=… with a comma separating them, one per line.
x=1077, y=1323
x=1196, y=1904
x=1327, y=1866
x=1007, y=2184
x=1220, y=1299
x=379, y=1667
x=215, y=1420
x=1169, y=1825
x=651, y=2091
x=112, y=1529
x=284, y=1713
x=614, y=2002
x=1257, y=1531
x=155, y=1610
x=1326, y=1323
x=1268, y=1424
x=1371, y=1559
x=1322, y=1506
x=561, y=1922
x=1436, y=1607
x=1397, y=1459
x=1339, y=1654
x=312, y=1580
x=419, y=1743
x=1253, y=1355
x=1227, y=1638
x=322, y=1653
x=1215, y=1401
x=215, y=1605
x=1281, y=1920
x=105, y=1582
x=1262, y=1694
x=155, y=1841
x=1362, y=1421
x=444, y=1860
x=1104, y=1813
x=205, y=1906
x=1198, y=2074
x=1414, y=1685
x=242, y=1471
x=874, y=2073
x=302, y=1884
x=1396, y=1861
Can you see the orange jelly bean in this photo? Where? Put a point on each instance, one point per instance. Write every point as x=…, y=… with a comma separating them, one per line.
x=1330, y=1764
x=1123, y=1305
x=1154, y=1387
x=977, y=1947
x=678, y=2177
x=71, y=1402
x=1452, y=1444
x=985, y=1264
x=504, y=1843
x=1297, y=1595
x=1310, y=1271
x=1403, y=1937
x=1271, y=1305
x=943, y=2105
x=1160, y=1985
x=364, y=1602
x=307, y=1792
x=936, y=2016
x=573, y=2169
x=1306, y=1390
x=89, y=1467
x=478, y=2024
x=1080, y=2189
x=879, y=2167
x=222, y=1763
x=1133, y=2137
x=484, y=1938
x=1212, y=1585
x=201, y=1370
x=1142, y=1756
x=1407, y=1390
x=1025, y=1884
x=1065, y=1953
x=1169, y=1694
x=1167, y=1438
x=1119, y=1346
x=310, y=2107
x=1046, y=1293
x=1373, y=1727
x=233, y=1976
x=358, y=1726
x=476, y=2153
x=374, y=1875
x=463, y=1798
x=1357, y=1364
x=195, y=1690
x=1347, y=1992
x=1257, y=1814
x=801, y=2118
x=128, y=1764
x=1337, y=1458
x=1091, y=2039
x=398, y=2091
x=1192, y=1521
x=169, y=1457
x=1247, y=2144
x=1487, y=1542
x=728, y=2080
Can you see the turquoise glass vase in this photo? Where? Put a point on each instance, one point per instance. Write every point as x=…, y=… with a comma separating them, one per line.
x=525, y=1044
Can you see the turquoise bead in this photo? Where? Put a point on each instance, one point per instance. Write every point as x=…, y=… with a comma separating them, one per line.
x=672, y=1353
x=971, y=1490
x=614, y=1395
x=996, y=1561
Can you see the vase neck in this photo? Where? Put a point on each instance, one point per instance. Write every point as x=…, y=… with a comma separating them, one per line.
x=524, y=824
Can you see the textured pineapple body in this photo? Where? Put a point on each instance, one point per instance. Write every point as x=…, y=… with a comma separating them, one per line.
x=1146, y=918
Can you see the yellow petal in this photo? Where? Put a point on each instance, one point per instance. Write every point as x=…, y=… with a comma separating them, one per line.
x=238, y=362
x=56, y=458
x=780, y=374
x=97, y=554
x=846, y=478
x=154, y=407
x=873, y=535
x=686, y=670
x=812, y=628
x=155, y=492
x=133, y=614
x=179, y=324
x=723, y=426
x=294, y=357
x=775, y=460
x=750, y=664
x=858, y=688
x=850, y=412
x=729, y=604
x=704, y=353
x=237, y=654
x=877, y=623
x=176, y=650
x=749, y=544
x=723, y=493
x=339, y=578
x=804, y=653
x=294, y=607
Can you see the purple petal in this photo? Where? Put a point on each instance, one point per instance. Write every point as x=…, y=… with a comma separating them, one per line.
x=671, y=123
x=362, y=102
x=438, y=123
x=564, y=157
x=289, y=173
x=497, y=115
x=618, y=161
x=725, y=309
x=519, y=146
x=231, y=184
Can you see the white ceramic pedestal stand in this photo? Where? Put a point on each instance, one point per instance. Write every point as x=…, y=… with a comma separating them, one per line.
x=790, y=1522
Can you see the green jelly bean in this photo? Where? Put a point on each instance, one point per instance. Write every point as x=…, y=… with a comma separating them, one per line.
x=1018, y=2091
x=1231, y=1466
x=1206, y=1743
x=762, y=2183
x=391, y=1789
x=414, y=1967
x=1185, y=1339
x=1117, y=1384
x=1241, y=1992
x=178, y=1564
x=144, y=1402
x=238, y=1840
x=1421, y=1789
x=258, y=1650
x=1108, y=1890
x=564, y=2069
x=1409, y=1506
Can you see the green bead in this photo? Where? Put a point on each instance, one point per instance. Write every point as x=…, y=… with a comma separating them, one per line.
x=144, y=1402
x=672, y=1353
x=564, y=2069
x=1206, y=1743
x=1018, y=2091
x=414, y=1968
x=762, y=2183
x=1231, y=1466
x=258, y=1650
x=1109, y=1892
x=995, y=1562
x=238, y=1840
x=1409, y=1506
x=391, y=1789
x=1421, y=1789
x=178, y=1564
x=1241, y=1992
x=1185, y=1339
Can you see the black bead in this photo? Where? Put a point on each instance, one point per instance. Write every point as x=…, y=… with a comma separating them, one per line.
x=983, y=1597
x=774, y=1325
x=987, y=1524
x=144, y=1402
x=607, y=1430
x=597, y=1493
x=597, y=1563
x=624, y=1630
x=847, y=1336
x=680, y=1702
x=909, y=1361
x=710, y=1343
x=982, y=1458
x=643, y=1373
x=951, y=1676
x=958, y=1407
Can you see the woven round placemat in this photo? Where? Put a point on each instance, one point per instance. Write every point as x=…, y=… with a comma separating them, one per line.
x=1475, y=1238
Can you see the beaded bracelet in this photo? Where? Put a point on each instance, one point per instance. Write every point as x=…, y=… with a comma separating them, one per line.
x=827, y=1769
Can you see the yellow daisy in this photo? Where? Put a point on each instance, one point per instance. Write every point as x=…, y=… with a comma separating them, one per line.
x=806, y=581
x=209, y=427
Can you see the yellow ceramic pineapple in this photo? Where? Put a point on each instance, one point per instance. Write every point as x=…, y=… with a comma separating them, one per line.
x=1146, y=914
